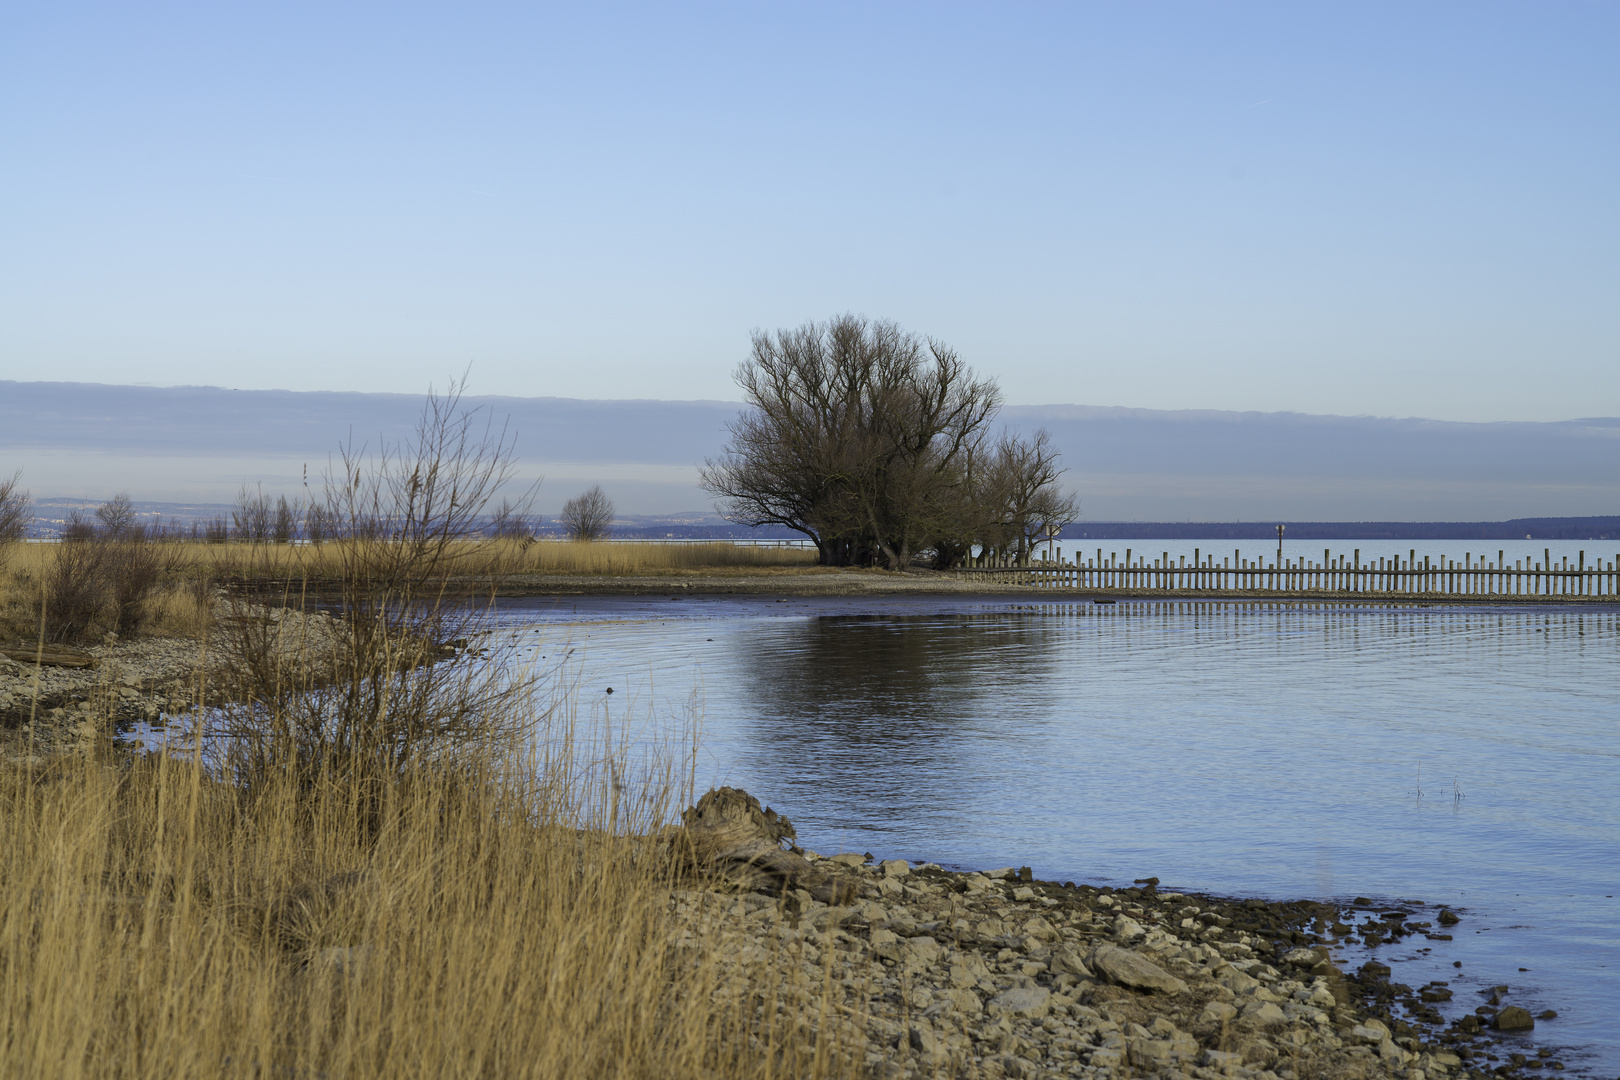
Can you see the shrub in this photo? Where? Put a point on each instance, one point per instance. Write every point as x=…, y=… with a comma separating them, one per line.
x=16, y=511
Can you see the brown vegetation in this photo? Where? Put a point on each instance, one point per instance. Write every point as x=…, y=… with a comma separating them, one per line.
x=876, y=445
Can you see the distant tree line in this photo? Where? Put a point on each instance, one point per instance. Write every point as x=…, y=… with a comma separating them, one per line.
x=880, y=446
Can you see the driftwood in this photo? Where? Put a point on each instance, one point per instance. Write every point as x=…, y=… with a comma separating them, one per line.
x=49, y=655
x=729, y=836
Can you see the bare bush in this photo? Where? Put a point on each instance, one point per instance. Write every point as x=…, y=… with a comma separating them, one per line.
x=78, y=526
x=374, y=693
x=16, y=512
x=98, y=583
x=216, y=530
x=588, y=515
x=511, y=523
x=252, y=518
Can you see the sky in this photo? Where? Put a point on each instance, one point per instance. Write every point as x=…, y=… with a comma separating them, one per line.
x=1379, y=209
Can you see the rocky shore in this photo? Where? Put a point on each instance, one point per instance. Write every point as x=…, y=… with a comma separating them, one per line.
x=932, y=972
x=78, y=695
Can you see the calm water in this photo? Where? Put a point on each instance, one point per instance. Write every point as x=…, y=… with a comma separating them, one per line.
x=1465, y=756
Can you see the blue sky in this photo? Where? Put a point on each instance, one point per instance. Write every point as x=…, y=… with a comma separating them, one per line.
x=1356, y=208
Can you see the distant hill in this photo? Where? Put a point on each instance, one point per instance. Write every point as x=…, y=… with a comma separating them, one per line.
x=193, y=445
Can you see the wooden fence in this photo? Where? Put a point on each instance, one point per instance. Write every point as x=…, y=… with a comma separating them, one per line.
x=1334, y=576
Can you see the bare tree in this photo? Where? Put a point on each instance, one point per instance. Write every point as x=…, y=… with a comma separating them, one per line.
x=512, y=523
x=1029, y=502
x=284, y=528
x=252, y=517
x=856, y=435
x=117, y=516
x=318, y=523
x=588, y=515
x=16, y=512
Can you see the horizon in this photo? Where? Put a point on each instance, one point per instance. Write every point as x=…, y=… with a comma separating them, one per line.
x=189, y=445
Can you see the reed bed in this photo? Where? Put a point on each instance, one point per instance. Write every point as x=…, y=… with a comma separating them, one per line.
x=177, y=602
x=498, y=919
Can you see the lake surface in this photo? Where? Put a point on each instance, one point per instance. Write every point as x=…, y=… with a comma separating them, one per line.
x=1460, y=755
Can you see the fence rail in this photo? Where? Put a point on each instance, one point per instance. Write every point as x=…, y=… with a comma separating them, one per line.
x=1334, y=576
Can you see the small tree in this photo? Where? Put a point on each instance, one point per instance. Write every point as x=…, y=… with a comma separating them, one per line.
x=16, y=511
x=588, y=515
x=285, y=529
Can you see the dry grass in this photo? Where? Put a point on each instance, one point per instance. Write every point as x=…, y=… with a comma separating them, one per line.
x=155, y=923
x=178, y=604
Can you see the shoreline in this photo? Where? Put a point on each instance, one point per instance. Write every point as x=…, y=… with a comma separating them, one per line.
x=1000, y=974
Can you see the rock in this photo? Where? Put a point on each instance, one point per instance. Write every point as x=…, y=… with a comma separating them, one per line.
x=1448, y=917
x=922, y=952
x=1028, y=1001
x=1514, y=1018
x=1264, y=1014
x=1301, y=957
x=1221, y=1060
x=1123, y=967
x=1065, y=958
x=1023, y=892
x=895, y=868
x=847, y=859
x=1128, y=929
x=886, y=943
x=730, y=835
x=1217, y=1012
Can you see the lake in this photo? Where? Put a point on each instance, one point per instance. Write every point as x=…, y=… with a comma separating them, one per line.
x=1457, y=755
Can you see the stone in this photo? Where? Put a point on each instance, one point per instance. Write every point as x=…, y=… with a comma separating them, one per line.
x=1221, y=1060
x=1448, y=917
x=1264, y=1014
x=847, y=859
x=1514, y=1018
x=895, y=868
x=1217, y=1012
x=1027, y=1001
x=1065, y=958
x=1023, y=892
x=1123, y=967
x=1128, y=929
x=924, y=1041
x=1301, y=957
x=922, y=952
